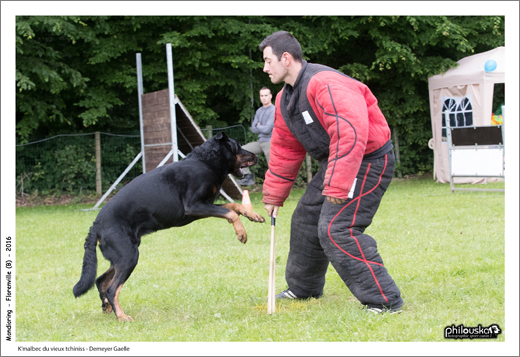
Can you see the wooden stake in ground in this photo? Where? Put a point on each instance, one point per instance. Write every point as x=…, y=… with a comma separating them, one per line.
x=271, y=304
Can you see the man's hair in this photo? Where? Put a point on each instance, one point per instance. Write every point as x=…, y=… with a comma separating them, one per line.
x=283, y=41
x=261, y=89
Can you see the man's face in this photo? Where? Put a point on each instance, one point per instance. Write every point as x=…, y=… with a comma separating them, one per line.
x=265, y=96
x=274, y=68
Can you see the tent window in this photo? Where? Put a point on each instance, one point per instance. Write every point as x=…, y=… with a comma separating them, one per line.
x=460, y=112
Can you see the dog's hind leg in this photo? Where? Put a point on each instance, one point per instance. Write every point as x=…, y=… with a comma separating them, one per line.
x=121, y=316
x=122, y=270
x=123, y=254
x=102, y=284
x=113, y=290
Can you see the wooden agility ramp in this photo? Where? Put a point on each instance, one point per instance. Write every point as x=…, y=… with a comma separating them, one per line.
x=157, y=134
x=167, y=135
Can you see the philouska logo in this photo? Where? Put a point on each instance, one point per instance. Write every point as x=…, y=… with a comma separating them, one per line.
x=492, y=331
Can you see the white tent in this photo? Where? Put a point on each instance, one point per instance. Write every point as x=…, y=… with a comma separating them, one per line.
x=463, y=95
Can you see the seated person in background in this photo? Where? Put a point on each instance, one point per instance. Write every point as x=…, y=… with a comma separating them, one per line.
x=263, y=124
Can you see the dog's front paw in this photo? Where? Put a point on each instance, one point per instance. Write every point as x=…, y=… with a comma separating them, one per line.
x=252, y=216
x=242, y=237
x=125, y=318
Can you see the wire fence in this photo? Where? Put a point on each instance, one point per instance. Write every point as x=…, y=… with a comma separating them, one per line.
x=67, y=163
x=237, y=132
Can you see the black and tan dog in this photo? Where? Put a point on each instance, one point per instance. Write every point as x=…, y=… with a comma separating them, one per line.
x=169, y=196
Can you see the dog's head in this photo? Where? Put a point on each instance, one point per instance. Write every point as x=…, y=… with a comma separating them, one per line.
x=239, y=158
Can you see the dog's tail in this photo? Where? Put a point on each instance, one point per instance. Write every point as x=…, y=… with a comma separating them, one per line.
x=89, y=270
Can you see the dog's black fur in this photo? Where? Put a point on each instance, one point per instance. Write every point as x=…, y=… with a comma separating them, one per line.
x=169, y=196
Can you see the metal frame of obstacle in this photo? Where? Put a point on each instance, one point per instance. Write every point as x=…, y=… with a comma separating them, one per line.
x=175, y=152
x=476, y=151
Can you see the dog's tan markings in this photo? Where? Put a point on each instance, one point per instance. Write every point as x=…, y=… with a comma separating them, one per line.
x=232, y=218
x=107, y=281
x=121, y=316
x=107, y=308
x=239, y=209
x=214, y=189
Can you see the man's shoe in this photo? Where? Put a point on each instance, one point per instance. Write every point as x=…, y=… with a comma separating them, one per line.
x=287, y=294
x=383, y=310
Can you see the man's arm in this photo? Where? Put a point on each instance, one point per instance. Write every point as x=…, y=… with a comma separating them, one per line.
x=254, y=125
x=269, y=125
x=343, y=112
x=286, y=157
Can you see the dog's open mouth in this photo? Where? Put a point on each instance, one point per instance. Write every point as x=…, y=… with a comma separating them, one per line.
x=239, y=173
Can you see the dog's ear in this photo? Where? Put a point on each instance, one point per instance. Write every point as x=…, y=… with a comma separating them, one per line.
x=230, y=144
x=221, y=136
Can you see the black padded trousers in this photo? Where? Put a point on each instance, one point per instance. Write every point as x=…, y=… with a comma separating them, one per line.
x=322, y=232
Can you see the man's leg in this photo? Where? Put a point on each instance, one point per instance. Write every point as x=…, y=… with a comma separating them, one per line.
x=352, y=253
x=253, y=147
x=307, y=262
x=266, y=148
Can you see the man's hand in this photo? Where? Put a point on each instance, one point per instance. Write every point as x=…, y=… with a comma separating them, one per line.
x=335, y=201
x=271, y=209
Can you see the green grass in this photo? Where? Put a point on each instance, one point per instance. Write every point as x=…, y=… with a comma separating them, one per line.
x=198, y=283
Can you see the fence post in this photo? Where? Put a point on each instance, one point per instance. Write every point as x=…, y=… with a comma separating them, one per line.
x=209, y=133
x=98, y=164
x=308, y=163
x=397, y=157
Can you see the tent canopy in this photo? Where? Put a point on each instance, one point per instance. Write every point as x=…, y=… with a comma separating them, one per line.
x=471, y=70
x=463, y=95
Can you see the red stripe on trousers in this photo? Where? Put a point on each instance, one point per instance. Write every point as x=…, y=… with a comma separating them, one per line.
x=358, y=199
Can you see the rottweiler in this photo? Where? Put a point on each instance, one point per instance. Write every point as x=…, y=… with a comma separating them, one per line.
x=172, y=195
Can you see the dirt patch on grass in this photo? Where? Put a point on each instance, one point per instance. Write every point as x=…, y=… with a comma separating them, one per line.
x=53, y=200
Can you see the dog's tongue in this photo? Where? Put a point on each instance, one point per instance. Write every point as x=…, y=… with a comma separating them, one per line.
x=247, y=163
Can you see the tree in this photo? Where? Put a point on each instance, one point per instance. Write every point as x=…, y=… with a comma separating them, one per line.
x=78, y=73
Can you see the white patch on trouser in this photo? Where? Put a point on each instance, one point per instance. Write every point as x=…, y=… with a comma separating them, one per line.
x=351, y=193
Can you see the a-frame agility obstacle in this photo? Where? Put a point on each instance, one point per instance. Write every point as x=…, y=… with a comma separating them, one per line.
x=166, y=134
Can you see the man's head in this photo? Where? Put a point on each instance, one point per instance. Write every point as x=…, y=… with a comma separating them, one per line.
x=265, y=96
x=280, y=42
x=282, y=57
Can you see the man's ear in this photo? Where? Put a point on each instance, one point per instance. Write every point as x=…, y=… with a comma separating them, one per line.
x=287, y=57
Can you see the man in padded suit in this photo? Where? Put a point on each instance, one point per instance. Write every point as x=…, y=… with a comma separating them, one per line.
x=337, y=121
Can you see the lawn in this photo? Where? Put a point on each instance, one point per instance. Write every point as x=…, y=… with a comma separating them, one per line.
x=446, y=252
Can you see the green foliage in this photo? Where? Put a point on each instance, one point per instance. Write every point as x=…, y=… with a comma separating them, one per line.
x=78, y=74
x=75, y=167
x=68, y=168
x=67, y=164
x=117, y=155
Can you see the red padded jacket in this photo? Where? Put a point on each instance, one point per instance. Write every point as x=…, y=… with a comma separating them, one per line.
x=332, y=117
